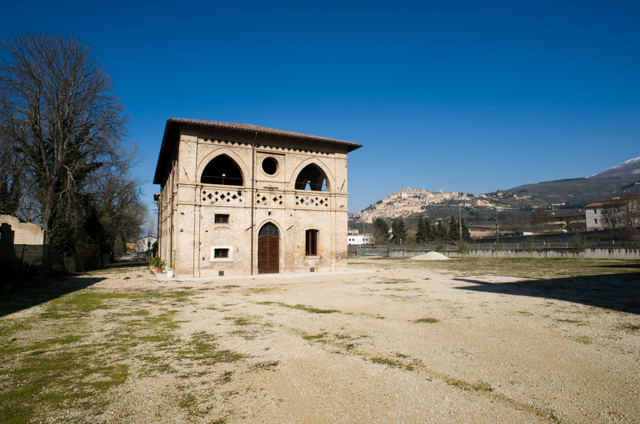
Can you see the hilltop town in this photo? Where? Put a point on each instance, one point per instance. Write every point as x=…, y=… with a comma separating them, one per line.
x=409, y=201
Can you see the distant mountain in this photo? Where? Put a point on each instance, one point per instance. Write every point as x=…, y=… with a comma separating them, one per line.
x=628, y=169
x=575, y=192
x=578, y=191
x=560, y=194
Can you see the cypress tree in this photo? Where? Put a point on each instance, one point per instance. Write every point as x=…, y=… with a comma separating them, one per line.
x=399, y=231
x=429, y=233
x=454, y=230
x=420, y=233
x=380, y=231
x=441, y=232
x=466, y=234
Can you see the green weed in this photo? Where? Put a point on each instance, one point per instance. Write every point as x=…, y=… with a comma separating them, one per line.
x=305, y=308
x=428, y=320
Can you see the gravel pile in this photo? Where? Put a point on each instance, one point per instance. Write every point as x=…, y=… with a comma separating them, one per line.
x=431, y=256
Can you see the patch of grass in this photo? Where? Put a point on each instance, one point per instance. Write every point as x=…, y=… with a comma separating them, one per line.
x=583, y=339
x=525, y=313
x=202, y=348
x=247, y=335
x=394, y=282
x=239, y=320
x=629, y=327
x=479, y=386
x=429, y=320
x=80, y=303
x=226, y=377
x=266, y=366
x=305, y=308
x=385, y=361
x=537, y=268
x=260, y=290
x=321, y=337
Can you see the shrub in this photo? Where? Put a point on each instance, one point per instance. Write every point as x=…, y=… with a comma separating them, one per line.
x=463, y=247
x=578, y=243
x=156, y=262
x=529, y=244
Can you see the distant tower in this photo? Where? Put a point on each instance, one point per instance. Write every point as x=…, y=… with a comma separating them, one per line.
x=403, y=187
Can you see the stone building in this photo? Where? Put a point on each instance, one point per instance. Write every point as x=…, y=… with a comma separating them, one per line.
x=241, y=200
x=12, y=231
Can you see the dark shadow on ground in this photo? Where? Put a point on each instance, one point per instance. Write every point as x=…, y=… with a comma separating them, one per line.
x=42, y=290
x=620, y=292
x=619, y=266
x=127, y=264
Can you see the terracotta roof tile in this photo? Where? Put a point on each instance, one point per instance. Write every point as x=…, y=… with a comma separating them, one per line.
x=173, y=126
x=262, y=130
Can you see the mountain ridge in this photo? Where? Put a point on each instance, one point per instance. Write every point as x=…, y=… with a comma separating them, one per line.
x=569, y=193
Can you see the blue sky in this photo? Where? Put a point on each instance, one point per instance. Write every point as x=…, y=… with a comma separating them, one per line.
x=470, y=96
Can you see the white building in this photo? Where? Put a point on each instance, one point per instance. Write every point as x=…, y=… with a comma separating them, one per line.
x=359, y=240
x=145, y=243
x=612, y=214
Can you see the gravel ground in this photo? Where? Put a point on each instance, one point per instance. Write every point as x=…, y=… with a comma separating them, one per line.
x=398, y=344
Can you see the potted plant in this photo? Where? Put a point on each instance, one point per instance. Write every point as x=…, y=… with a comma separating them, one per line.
x=156, y=265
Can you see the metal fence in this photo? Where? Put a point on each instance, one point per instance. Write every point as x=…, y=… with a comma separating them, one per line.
x=369, y=250
x=143, y=256
x=409, y=250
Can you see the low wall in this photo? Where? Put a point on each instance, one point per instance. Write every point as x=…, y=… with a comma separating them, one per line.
x=563, y=254
x=43, y=257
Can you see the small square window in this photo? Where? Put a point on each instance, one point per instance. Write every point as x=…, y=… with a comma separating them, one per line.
x=595, y=221
x=221, y=218
x=595, y=211
x=221, y=253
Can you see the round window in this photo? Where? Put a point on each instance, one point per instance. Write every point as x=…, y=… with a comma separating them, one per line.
x=270, y=166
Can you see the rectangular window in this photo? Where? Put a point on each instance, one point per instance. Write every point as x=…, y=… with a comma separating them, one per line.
x=221, y=253
x=595, y=211
x=311, y=245
x=221, y=219
x=595, y=221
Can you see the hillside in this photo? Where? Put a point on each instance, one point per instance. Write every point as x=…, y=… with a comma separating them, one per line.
x=560, y=194
x=575, y=191
x=628, y=169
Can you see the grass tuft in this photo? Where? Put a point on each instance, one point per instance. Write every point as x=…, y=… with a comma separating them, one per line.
x=428, y=320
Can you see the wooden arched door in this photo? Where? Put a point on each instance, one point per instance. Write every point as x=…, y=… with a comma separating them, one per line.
x=268, y=249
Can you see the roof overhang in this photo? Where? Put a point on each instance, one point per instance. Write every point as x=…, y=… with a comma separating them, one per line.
x=172, y=131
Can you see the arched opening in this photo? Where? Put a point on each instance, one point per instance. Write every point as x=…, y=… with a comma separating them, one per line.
x=311, y=178
x=268, y=249
x=222, y=170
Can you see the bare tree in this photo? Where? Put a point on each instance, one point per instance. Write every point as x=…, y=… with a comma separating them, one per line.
x=630, y=210
x=59, y=111
x=539, y=219
x=516, y=222
x=621, y=212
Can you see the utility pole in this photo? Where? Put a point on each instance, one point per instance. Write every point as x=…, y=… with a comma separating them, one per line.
x=497, y=226
x=459, y=223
